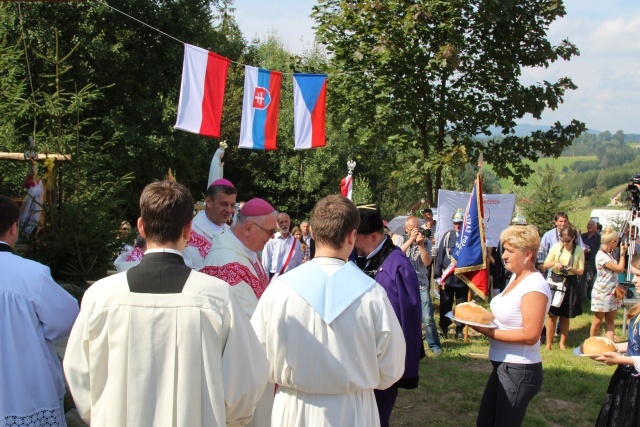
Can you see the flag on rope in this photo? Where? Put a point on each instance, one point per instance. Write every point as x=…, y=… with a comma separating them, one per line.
x=204, y=78
x=260, y=105
x=469, y=252
x=309, y=110
x=346, y=187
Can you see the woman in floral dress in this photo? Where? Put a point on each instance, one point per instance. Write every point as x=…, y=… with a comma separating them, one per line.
x=604, y=303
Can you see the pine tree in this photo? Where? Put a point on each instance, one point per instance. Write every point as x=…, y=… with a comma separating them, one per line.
x=545, y=202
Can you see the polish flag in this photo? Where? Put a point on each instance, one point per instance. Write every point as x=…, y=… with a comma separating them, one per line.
x=260, y=104
x=309, y=110
x=346, y=187
x=204, y=78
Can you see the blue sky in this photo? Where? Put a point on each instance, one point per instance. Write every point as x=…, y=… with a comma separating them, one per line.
x=607, y=72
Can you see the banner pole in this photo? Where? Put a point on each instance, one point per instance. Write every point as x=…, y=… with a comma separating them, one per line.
x=466, y=327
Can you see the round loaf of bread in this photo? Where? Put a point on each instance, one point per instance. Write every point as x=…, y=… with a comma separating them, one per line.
x=597, y=345
x=472, y=312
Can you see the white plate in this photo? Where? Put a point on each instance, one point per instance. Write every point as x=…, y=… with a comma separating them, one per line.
x=578, y=352
x=452, y=317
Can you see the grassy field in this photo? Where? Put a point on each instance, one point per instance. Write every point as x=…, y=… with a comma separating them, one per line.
x=451, y=385
x=558, y=164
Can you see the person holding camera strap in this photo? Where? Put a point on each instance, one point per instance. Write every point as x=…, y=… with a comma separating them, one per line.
x=566, y=261
x=417, y=247
x=604, y=301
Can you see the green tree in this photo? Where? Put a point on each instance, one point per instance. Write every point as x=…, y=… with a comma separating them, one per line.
x=138, y=70
x=14, y=107
x=428, y=77
x=546, y=200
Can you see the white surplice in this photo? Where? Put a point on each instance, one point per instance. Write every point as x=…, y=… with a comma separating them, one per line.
x=187, y=359
x=199, y=244
x=331, y=337
x=35, y=312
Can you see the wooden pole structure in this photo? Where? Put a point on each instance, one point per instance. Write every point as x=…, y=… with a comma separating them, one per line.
x=21, y=157
x=470, y=295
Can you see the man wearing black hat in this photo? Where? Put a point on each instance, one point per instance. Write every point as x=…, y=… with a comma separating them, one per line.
x=379, y=258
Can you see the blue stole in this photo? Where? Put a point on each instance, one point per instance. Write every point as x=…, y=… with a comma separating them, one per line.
x=328, y=295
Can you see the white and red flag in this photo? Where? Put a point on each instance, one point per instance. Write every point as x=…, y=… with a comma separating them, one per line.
x=346, y=187
x=204, y=78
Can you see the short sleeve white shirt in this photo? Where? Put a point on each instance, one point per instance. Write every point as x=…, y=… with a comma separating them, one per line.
x=508, y=315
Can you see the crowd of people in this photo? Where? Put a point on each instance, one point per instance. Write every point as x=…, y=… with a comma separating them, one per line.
x=234, y=317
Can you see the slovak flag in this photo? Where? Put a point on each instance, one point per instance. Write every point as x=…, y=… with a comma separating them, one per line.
x=204, y=78
x=260, y=105
x=309, y=110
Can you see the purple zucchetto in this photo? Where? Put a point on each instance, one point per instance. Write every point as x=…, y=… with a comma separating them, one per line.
x=222, y=181
x=256, y=207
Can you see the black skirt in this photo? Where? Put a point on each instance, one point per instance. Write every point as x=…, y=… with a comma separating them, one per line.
x=571, y=304
x=621, y=407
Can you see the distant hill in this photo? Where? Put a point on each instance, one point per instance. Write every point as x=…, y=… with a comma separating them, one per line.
x=525, y=129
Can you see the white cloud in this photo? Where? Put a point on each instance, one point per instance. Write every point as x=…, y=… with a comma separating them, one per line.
x=607, y=72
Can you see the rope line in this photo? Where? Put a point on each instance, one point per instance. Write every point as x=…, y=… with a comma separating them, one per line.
x=230, y=60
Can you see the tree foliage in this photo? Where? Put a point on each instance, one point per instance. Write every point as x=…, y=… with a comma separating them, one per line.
x=432, y=75
x=546, y=200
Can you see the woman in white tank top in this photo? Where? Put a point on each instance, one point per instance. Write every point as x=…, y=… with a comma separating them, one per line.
x=514, y=351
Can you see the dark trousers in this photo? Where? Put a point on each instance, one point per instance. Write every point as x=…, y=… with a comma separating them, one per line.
x=509, y=390
x=447, y=296
x=385, y=399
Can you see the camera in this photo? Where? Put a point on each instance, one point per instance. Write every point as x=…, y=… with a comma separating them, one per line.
x=634, y=191
x=630, y=290
x=425, y=232
x=564, y=270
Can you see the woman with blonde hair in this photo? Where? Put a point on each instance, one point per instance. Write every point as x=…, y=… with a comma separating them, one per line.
x=514, y=349
x=621, y=406
x=604, y=303
x=566, y=261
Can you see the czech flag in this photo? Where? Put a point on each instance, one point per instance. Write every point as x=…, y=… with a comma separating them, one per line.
x=469, y=253
x=309, y=110
x=260, y=104
x=204, y=78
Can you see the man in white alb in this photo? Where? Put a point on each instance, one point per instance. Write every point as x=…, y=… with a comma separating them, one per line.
x=161, y=344
x=329, y=331
x=282, y=253
x=220, y=202
x=35, y=313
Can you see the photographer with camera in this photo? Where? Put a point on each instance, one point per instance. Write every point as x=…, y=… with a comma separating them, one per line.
x=417, y=247
x=566, y=261
x=604, y=301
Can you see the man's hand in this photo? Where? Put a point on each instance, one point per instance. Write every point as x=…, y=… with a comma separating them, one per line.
x=418, y=237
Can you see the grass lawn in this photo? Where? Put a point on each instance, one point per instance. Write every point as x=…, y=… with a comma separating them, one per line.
x=452, y=384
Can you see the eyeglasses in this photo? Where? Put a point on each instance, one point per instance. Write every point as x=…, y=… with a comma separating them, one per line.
x=567, y=241
x=269, y=232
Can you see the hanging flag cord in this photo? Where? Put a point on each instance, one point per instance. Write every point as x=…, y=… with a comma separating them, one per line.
x=180, y=41
x=143, y=23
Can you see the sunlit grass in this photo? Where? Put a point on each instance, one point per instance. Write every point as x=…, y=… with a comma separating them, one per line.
x=451, y=385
